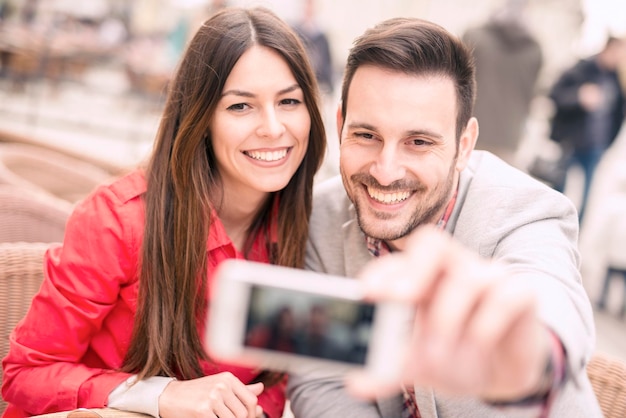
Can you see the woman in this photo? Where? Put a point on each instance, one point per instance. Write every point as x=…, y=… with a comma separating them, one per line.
x=122, y=308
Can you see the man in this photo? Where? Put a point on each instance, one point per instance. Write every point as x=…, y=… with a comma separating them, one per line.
x=503, y=325
x=590, y=108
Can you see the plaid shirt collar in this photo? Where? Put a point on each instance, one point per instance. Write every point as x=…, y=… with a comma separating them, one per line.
x=378, y=247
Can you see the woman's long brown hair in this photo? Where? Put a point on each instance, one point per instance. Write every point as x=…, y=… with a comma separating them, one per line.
x=183, y=184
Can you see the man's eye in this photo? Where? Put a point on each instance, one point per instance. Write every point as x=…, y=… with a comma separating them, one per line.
x=365, y=135
x=420, y=142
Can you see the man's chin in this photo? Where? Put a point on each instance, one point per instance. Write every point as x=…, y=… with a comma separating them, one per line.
x=386, y=234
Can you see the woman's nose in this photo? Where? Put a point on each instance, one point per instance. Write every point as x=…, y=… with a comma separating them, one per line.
x=271, y=126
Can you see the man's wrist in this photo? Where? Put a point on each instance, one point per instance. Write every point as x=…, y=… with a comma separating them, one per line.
x=542, y=389
x=550, y=382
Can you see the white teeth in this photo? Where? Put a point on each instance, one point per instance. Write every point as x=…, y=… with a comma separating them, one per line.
x=267, y=155
x=388, y=198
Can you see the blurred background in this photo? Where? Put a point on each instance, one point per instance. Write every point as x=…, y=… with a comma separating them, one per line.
x=82, y=85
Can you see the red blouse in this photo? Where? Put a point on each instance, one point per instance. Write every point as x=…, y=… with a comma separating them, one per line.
x=64, y=354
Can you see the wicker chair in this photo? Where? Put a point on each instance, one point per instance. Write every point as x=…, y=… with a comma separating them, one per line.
x=31, y=216
x=115, y=168
x=613, y=244
x=21, y=274
x=35, y=167
x=608, y=378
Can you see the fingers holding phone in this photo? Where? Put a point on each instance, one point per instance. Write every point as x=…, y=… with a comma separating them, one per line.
x=476, y=328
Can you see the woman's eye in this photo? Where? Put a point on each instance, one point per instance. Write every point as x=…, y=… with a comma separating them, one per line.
x=237, y=106
x=290, y=101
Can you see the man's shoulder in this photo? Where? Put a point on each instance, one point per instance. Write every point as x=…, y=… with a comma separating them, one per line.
x=498, y=199
x=495, y=187
x=507, y=190
x=336, y=243
x=491, y=173
x=329, y=196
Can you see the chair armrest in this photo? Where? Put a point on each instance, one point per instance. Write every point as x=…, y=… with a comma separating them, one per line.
x=102, y=412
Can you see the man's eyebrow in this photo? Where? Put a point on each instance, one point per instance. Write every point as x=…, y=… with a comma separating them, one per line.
x=361, y=125
x=412, y=132
x=424, y=132
x=243, y=93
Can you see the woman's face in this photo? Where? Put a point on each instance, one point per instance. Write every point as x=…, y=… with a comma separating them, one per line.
x=261, y=125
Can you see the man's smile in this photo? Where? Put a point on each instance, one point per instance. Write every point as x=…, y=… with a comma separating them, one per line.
x=388, y=197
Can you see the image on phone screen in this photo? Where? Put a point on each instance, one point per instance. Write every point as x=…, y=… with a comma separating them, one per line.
x=324, y=327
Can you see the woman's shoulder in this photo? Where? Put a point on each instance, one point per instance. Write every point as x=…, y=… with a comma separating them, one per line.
x=126, y=187
x=118, y=199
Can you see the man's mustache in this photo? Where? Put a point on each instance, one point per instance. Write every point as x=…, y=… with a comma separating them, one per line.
x=398, y=185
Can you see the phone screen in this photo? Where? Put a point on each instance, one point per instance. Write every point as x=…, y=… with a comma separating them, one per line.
x=307, y=324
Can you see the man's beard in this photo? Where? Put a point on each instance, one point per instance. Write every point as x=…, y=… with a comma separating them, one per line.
x=421, y=215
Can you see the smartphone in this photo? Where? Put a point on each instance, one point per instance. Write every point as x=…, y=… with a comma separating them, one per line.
x=290, y=320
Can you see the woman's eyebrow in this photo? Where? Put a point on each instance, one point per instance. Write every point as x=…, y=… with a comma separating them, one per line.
x=289, y=89
x=243, y=93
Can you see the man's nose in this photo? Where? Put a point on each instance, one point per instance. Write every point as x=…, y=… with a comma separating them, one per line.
x=271, y=126
x=388, y=166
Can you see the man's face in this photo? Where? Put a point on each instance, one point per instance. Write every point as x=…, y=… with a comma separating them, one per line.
x=399, y=159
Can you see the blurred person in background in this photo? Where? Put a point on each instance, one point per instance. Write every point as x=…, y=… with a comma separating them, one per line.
x=589, y=111
x=321, y=335
x=508, y=62
x=487, y=254
x=317, y=45
x=277, y=332
x=120, y=317
x=7, y=9
x=189, y=20
x=28, y=11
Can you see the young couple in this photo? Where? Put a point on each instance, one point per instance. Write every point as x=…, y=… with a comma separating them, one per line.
x=487, y=254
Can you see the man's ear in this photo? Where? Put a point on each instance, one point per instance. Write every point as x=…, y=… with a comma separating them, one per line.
x=467, y=142
x=339, y=122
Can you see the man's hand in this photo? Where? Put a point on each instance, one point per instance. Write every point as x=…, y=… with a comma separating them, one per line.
x=476, y=330
x=221, y=395
x=590, y=96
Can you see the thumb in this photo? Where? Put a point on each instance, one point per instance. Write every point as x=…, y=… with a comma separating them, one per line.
x=259, y=412
x=364, y=385
x=256, y=388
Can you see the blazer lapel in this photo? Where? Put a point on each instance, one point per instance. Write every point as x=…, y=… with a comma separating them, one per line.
x=356, y=256
x=355, y=253
x=425, y=398
x=392, y=407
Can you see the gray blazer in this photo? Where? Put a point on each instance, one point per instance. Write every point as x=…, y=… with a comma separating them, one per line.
x=501, y=213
